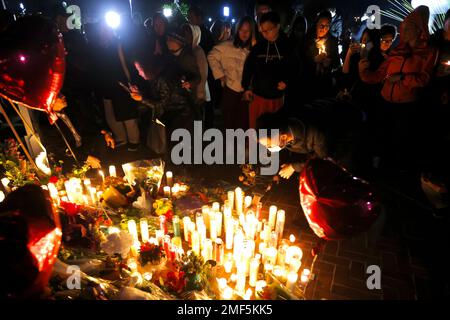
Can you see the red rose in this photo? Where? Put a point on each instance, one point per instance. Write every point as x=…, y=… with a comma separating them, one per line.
x=53, y=179
x=70, y=208
x=169, y=216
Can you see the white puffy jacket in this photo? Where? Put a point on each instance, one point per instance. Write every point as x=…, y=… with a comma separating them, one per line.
x=225, y=60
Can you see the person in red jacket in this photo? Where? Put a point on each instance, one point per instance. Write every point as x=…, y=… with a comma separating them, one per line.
x=407, y=69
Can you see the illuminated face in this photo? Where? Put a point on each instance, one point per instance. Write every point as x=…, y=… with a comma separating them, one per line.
x=245, y=32
x=386, y=42
x=174, y=46
x=269, y=31
x=274, y=143
x=322, y=27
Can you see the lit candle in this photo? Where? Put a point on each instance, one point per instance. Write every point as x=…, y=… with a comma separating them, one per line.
x=291, y=280
x=230, y=198
x=132, y=229
x=202, y=234
x=271, y=255
x=241, y=278
x=53, y=192
x=208, y=250
x=102, y=175
x=304, y=279
x=176, y=226
x=163, y=224
x=227, y=293
x=306, y=272
x=218, y=219
x=112, y=171
x=166, y=190
x=228, y=265
x=196, y=243
x=5, y=183
x=144, y=230
x=279, y=227
x=87, y=182
x=159, y=234
x=260, y=285
x=262, y=248
x=186, y=226
x=272, y=216
x=254, y=268
x=292, y=238
x=293, y=252
x=175, y=190
x=222, y=282
x=229, y=234
x=212, y=227
x=248, y=201
x=238, y=245
x=169, y=178
x=273, y=239
x=218, y=251
x=282, y=254
x=295, y=264
x=2, y=196
x=93, y=195
x=216, y=206
x=238, y=200
x=280, y=273
x=248, y=294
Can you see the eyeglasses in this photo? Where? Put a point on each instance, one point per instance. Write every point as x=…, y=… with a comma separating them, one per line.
x=387, y=41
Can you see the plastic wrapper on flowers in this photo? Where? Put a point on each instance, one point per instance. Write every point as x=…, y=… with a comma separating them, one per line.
x=336, y=204
x=147, y=174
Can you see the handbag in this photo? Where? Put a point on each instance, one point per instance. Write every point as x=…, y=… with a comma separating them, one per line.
x=156, y=136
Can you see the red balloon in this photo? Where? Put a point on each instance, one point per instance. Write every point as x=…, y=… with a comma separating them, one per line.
x=30, y=237
x=32, y=63
x=336, y=204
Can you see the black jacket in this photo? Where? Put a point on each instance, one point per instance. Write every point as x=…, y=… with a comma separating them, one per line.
x=267, y=65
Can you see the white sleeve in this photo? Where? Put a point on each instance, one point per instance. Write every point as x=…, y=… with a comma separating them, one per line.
x=215, y=61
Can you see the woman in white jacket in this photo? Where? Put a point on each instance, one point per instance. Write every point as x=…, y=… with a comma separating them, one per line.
x=226, y=61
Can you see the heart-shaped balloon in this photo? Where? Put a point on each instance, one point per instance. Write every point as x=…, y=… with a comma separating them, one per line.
x=32, y=63
x=336, y=204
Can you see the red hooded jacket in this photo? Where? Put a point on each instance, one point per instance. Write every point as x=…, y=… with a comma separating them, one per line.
x=414, y=64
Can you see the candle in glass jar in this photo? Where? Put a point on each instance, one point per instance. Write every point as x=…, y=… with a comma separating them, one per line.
x=260, y=285
x=169, y=178
x=254, y=268
x=218, y=219
x=176, y=226
x=227, y=293
x=163, y=224
x=271, y=255
x=228, y=264
x=159, y=234
x=5, y=183
x=144, y=230
x=272, y=216
x=2, y=196
x=295, y=264
x=112, y=171
x=279, y=227
x=241, y=278
x=230, y=198
x=218, y=251
x=196, y=242
x=186, y=226
x=215, y=206
x=247, y=201
x=258, y=210
x=293, y=252
x=229, y=234
x=208, y=250
x=213, y=227
x=202, y=233
x=238, y=199
x=53, y=192
x=102, y=175
x=238, y=244
x=291, y=280
x=166, y=190
x=132, y=229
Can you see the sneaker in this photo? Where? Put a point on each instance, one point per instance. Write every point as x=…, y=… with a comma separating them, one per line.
x=121, y=143
x=133, y=147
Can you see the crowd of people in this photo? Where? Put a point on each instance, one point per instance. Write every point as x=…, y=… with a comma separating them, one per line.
x=370, y=98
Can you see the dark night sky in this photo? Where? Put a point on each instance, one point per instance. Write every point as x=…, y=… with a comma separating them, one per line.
x=212, y=8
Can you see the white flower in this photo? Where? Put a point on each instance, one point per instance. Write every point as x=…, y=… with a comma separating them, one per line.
x=117, y=243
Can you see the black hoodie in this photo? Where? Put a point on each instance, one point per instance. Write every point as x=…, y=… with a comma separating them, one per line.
x=267, y=64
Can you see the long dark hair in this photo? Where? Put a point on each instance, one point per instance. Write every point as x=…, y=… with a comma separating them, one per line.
x=237, y=42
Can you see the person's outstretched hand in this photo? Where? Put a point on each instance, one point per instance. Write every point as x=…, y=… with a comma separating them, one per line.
x=287, y=170
x=109, y=139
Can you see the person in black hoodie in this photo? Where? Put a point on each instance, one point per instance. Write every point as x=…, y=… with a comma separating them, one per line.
x=320, y=58
x=267, y=70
